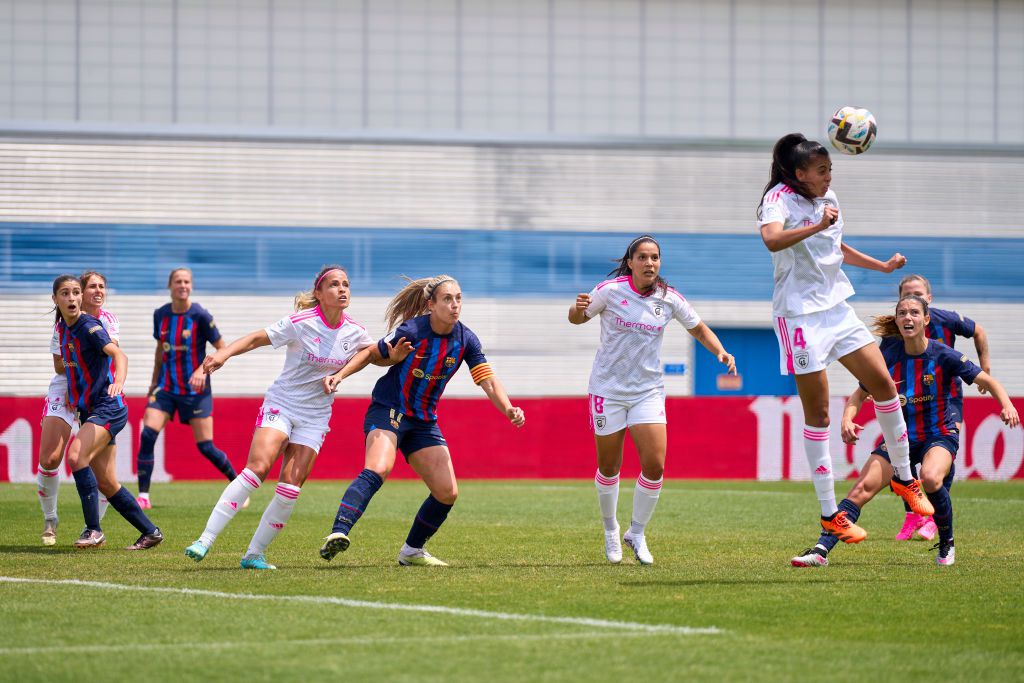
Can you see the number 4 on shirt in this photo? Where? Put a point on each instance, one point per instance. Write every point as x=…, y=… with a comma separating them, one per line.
x=798, y=338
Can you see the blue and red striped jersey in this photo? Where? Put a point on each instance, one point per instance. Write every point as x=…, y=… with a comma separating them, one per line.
x=415, y=385
x=925, y=384
x=89, y=371
x=944, y=326
x=183, y=338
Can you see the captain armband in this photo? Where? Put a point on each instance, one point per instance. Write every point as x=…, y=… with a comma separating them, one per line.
x=481, y=372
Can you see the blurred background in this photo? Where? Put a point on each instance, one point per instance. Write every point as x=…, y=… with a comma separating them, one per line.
x=518, y=145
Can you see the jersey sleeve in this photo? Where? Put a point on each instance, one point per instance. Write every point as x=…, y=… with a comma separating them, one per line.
x=683, y=311
x=958, y=364
x=55, y=342
x=209, y=327
x=112, y=325
x=97, y=335
x=282, y=332
x=406, y=329
x=156, y=324
x=961, y=325
x=598, y=299
x=773, y=210
x=364, y=340
x=476, y=361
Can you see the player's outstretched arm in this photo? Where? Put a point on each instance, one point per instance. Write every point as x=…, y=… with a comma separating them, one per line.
x=850, y=429
x=710, y=341
x=396, y=353
x=861, y=260
x=981, y=346
x=578, y=310
x=495, y=391
x=253, y=340
x=1008, y=414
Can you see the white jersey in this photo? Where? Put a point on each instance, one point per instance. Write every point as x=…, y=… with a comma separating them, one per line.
x=808, y=275
x=628, y=361
x=315, y=350
x=59, y=385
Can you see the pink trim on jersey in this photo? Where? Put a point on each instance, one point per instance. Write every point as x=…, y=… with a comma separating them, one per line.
x=303, y=315
x=324, y=319
x=633, y=287
x=608, y=282
x=350, y=320
x=784, y=333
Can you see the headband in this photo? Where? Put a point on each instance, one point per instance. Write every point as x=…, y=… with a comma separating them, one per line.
x=641, y=238
x=429, y=289
x=326, y=272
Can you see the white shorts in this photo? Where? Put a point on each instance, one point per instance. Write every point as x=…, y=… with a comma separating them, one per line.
x=305, y=431
x=611, y=415
x=809, y=343
x=57, y=401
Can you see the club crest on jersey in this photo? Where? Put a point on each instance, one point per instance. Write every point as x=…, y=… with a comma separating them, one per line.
x=167, y=347
x=71, y=347
x=600, y=421
x=55, y=406
x=928, y=379
x=449, y=362
x=345, y=345
x=273, y=414
x=802, y=360
x=657, y=309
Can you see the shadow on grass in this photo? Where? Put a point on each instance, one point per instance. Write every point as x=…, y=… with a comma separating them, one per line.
x=743, y=582
x=39, y=550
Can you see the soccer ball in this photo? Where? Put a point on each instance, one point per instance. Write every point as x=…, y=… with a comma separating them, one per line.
x=851, y=130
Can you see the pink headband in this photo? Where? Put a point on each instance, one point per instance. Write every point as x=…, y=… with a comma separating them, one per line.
x=321, y=278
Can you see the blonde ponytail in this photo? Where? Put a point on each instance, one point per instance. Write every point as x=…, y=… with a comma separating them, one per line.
x=412, y=300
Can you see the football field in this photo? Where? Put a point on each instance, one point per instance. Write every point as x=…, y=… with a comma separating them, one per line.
x=529, y=595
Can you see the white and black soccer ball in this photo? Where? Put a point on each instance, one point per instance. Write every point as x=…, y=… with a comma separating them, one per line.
x=851, y=130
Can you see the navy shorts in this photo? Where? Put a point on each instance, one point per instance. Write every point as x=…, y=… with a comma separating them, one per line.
x=188, y=407
x=109, y=413
x=917, y=450
x=413, y=434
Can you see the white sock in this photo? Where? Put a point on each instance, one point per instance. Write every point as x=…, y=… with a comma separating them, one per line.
x=608, y=498
x=894, y=429
x=820, y=463
x=48, y=483
x=274, y=518
x=104, y=504
x=144, y=496
x=230, y=501
x=645, y=497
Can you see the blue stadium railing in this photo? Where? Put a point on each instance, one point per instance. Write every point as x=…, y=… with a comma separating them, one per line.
x=493, y=263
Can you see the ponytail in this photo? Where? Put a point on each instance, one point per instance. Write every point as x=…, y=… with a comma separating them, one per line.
x=790, y=153
x=412, y=300
x=307, y=299
x=623, y=263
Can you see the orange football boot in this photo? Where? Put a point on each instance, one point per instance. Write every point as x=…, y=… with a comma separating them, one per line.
x=842, y=528
x=911, y=492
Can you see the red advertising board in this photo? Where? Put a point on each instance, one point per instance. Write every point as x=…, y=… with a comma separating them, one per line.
x=709, y=438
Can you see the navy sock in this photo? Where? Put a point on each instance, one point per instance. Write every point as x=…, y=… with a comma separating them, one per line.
x=852, y=514
x=218, y=458
x=943, y=513
x=124, y=502
x=357, y=497
x=430, y=517
x=89, y=492
x=144, y=459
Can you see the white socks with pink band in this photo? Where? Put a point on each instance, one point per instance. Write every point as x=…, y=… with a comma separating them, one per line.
x=608, y=498
x=894, y=429
x=819, y=461
x=230, y=501
x=274, y=518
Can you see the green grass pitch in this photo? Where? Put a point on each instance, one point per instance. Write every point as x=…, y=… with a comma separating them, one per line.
x=729, y=605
